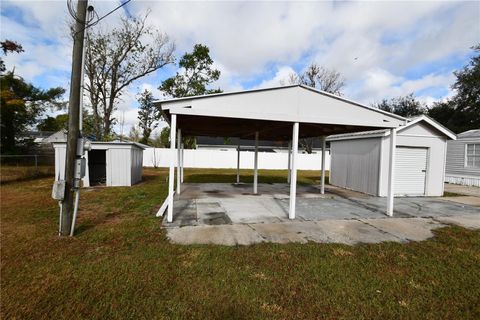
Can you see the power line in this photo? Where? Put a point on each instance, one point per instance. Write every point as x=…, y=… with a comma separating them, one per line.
x=106, y=15
x=92, y=12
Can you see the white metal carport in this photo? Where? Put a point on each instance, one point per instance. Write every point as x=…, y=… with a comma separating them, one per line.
x=285, y=113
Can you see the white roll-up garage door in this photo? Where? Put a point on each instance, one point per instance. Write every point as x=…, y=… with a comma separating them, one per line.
x=410, y=171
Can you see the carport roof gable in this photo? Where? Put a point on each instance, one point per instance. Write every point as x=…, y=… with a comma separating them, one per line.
x=296, y=103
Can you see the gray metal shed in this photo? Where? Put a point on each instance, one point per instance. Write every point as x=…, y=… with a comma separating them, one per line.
x=463, y=159
x=360, y=161
x=107, y=163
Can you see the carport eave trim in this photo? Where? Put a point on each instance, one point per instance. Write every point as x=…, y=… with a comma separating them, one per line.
x=279, y=118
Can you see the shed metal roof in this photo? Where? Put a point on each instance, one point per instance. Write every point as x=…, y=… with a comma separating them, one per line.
x=110, y=143
x=382, y=133
x=271, y=111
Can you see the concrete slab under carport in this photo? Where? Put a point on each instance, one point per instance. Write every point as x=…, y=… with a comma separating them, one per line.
x=230, y=214
x=348, y=232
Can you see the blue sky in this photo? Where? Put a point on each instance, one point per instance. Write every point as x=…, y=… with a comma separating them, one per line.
x=382, y=49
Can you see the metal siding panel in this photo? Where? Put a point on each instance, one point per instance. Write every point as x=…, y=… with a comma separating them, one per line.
x=118, y=167
x=108, y=170
x=410, y=171
x=355, y=164
x=132, y=166
x=137, y=162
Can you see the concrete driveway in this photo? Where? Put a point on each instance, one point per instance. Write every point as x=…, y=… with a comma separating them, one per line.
x=228, y=214
x=463, y=194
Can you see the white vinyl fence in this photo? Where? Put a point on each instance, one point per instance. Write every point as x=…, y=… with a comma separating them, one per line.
x=198, y=158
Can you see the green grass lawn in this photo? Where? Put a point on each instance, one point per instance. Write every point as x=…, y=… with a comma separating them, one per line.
x=120, y=265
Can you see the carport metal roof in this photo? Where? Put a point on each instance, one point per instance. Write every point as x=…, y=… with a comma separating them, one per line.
x=280, y=113
x=272, y=111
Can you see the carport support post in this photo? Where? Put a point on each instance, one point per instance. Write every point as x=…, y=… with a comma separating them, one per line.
x=289, y=160
x=181, y=163
x=179, y=160
x=171, y=173
x=324, y=146
x=293, y=178
x=255, y=165
x=238, y=163
x=391, y=175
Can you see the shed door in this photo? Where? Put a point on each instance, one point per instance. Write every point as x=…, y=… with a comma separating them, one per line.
x=410, y=171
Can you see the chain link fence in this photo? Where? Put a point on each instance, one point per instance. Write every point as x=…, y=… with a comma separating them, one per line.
x=26, y=167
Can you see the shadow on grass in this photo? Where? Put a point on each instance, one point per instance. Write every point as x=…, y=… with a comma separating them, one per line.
x=29, y=178
x=84, y=226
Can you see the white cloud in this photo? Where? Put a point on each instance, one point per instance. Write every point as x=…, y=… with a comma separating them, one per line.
x=280, y=78
x=373, y=44
x=378, y=84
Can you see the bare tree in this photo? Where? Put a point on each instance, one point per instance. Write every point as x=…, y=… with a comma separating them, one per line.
x=328, y=80
x=117, y=58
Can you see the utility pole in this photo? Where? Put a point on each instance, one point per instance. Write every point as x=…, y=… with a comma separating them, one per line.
x=72, y=153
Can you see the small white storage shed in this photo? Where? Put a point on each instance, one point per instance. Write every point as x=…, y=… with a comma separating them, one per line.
x=108, y=163
x=360, y=161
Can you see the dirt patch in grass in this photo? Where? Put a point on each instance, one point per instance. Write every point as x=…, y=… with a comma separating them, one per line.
x=121, y=266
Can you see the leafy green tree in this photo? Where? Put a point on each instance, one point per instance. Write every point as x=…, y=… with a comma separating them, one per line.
x=21, y=105
x=444, y=113
x=467, y=98
x=163, y=140
x=148, y=115
x=462, y=111
x=134, y=134
x=53, y=123
x=8, y=46
x=157, y=142
x=407, y=106
x=197, y=74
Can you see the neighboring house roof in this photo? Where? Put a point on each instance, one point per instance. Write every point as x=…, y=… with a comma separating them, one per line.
x=35, y=135
x=383, y=133
x=475, y=133
x=59, y=136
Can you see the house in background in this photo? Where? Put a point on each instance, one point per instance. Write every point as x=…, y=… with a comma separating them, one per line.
x=463, y=159
x=360, y=161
